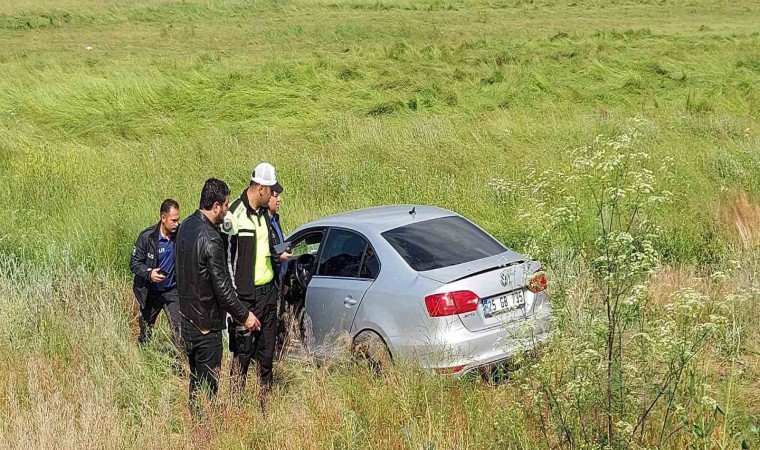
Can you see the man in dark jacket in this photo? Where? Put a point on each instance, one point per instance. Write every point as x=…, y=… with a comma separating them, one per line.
x=277, y=237
x=205, y=288
x=155, y=283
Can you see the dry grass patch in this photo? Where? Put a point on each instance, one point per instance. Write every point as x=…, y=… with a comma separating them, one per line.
x=740, y=220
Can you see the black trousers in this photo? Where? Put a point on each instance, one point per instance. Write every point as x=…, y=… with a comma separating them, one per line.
x=261, y=350
x=204, y=352
x=154, y=303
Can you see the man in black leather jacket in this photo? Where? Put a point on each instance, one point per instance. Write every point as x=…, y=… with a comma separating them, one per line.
x=205, y=288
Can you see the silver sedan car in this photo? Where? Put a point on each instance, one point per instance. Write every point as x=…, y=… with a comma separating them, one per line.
x=415, y=283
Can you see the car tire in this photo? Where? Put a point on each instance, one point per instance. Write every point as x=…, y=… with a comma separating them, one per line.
x=369, y=347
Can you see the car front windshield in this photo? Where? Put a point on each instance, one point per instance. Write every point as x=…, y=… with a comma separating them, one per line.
x=442, y=242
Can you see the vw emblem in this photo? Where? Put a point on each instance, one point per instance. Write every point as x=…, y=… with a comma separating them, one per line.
x=507, y=277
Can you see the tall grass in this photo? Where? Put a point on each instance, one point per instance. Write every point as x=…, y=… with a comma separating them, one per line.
x=73, y=377
x=108, y=107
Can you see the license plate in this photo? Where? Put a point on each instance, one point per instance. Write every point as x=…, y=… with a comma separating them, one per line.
x=503, y=303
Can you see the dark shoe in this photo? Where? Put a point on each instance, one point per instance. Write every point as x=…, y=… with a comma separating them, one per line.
x=146, y=330
x=264, y=394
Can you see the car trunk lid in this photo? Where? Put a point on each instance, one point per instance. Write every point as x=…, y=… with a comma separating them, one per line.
x=473, y=268
x=499, y=279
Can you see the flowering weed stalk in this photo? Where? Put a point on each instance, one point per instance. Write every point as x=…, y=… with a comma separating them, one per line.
x=620, y=359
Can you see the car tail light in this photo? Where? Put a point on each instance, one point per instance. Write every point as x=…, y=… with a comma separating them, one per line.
x=450, y=303
x=537, y=282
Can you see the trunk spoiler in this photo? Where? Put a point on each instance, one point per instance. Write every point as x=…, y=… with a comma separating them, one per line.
x=472, y=268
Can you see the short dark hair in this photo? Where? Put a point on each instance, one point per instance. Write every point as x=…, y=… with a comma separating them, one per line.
x=167, y=205
x=214, y=191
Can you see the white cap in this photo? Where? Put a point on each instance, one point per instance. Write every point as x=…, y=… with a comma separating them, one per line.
x=264, y=175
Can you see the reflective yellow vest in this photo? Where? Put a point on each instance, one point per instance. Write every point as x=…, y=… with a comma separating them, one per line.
x=248, y=250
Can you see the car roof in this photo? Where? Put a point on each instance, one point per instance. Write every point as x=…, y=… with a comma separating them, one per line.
x=382, y=218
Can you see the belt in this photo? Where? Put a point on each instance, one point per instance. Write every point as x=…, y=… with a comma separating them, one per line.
x=264, y=288
x=162, y=291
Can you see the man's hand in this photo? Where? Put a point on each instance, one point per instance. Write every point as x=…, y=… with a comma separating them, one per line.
x=252, y=323
x=156, y=277
x=284, y=256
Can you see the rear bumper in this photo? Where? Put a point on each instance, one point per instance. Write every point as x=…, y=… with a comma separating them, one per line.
x=456, y=350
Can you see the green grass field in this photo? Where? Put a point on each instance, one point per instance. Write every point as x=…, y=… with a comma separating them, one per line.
x=107, y=107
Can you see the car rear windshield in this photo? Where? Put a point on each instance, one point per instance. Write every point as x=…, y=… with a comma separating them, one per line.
x=437, y=243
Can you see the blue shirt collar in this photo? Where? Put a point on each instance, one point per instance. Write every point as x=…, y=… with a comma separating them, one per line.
x=161, y=236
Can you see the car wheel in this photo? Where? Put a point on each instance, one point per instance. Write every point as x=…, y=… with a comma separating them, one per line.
x=370, y=347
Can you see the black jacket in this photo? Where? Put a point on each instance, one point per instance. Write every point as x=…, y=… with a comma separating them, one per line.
x=204, y=285
x=144, y=259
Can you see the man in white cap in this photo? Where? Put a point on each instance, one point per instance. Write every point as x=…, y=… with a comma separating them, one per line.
x=250, y=260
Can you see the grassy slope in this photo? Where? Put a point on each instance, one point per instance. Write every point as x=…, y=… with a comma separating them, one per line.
x=360, y=105
x=357, y=103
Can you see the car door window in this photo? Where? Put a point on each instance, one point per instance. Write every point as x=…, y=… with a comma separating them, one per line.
x=342, y=255
x=370, y=264
x=309, y=244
